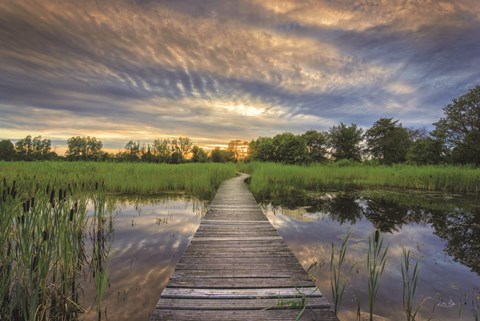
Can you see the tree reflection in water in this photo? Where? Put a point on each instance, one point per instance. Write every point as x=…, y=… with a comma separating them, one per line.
x=455, y=220
x=429, y=224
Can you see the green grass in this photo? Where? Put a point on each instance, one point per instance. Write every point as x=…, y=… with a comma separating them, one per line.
x=270, y=179
x=201, y=180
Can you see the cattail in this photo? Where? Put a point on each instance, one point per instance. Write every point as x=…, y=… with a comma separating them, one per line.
x=60, y=195
x=32, y=202
x=47, y=190
x=75, y=207
x=71, y=214
x=65, y=195
x=377, y=235
x=35, y=263
x=52, y=197
x=45, y=235
x=96, y=186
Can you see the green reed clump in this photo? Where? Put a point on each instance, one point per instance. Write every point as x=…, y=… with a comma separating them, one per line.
x=337, y=284
x=409, y=280
x=42, y=250
x=271, y=179
x=101, y=239
x=376, y=260
x=201, y=180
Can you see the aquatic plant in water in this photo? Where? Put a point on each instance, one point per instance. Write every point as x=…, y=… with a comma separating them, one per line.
x=337, y=284
x=376, y=260
x=42, y=250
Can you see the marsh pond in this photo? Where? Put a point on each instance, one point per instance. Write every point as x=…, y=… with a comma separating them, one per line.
x=128, y=247
x=442, y=232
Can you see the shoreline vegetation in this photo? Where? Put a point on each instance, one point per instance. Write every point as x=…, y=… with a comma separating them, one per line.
x=272, y=180
x=200, y=180
x=267, y=179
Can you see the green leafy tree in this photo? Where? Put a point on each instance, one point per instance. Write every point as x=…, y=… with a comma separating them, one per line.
x=289, y=148
x=388, y=141
x=185, y=146
x=84, y=148
x=261, y=149
x=316, y=145
x=217, y=155
x=461, y=127
x=24, y=148
x=162, y=150
x=94, y=148
x=238, y=149
x=344, y=142
x=198, y=155
x=133, y=151
x=7, y=150
x=176, y=158
x=146, y=153
x=425, y=151
x=35, y=148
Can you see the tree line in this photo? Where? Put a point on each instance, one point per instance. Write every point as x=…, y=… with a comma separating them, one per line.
x=86, y=148
x=455, y=139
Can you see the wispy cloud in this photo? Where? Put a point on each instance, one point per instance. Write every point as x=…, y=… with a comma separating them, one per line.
x=220, y=70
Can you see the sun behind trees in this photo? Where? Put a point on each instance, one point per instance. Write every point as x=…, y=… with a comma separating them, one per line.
x=455, y=139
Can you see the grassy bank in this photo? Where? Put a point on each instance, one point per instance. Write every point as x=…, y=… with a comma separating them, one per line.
x=270, y=180
x=200, y=180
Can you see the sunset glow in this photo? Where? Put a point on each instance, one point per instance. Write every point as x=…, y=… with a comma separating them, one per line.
x=216, y=71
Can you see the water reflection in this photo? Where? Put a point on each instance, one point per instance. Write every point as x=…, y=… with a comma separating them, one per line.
x=150, y=235
x=443, y=233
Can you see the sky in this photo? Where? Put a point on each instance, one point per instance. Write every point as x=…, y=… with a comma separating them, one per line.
x=221, y=70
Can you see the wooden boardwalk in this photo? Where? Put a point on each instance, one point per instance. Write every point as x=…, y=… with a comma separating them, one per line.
x=237, y=267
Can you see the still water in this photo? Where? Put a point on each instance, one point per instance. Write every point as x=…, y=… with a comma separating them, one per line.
x=149, y=235
x=442, y=233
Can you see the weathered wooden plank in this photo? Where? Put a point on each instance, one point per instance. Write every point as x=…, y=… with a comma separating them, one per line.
x=238, y=238
x=245, y=304
x=242, y=315
x=243, y=255
x=233, y=223
x=239, y=260
x=217, y=282
x=232, y=293
x=242, y=272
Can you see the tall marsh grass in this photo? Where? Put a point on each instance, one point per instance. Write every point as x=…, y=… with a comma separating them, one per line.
x=201, y=180
x=42, y=249
x=270, y=179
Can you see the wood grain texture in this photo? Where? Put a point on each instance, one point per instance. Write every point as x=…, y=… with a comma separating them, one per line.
x=238, y=268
